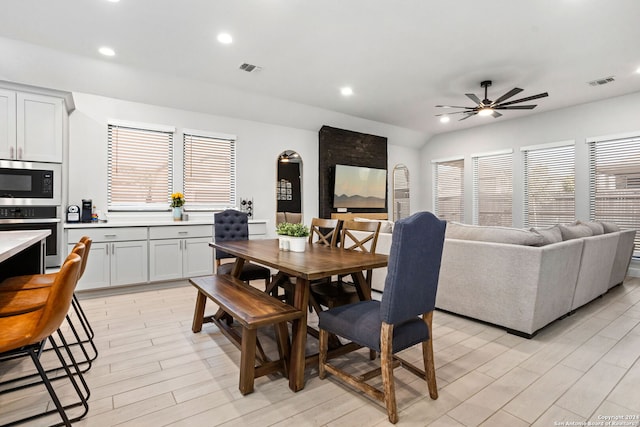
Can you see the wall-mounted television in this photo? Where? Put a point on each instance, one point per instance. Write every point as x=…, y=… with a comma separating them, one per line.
x=359, y=187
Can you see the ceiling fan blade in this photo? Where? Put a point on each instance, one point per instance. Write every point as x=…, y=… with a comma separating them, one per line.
x=454, y=112
x=454, y=106
x=495, y=114
x=467, y=116
x=528, y=98
x=473, y=98
x=515, y=107
x=512, y=92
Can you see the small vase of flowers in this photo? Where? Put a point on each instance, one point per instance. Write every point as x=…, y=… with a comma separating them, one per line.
x=293, y=237
x=177, y=201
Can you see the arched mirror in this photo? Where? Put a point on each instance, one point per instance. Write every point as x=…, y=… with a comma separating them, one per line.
x=289, y=187
x=401, y=208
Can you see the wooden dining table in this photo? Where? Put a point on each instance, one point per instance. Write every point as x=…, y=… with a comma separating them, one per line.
x=316, y=262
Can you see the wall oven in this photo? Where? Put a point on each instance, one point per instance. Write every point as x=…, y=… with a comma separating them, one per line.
x=30, y=184
x=35, y=218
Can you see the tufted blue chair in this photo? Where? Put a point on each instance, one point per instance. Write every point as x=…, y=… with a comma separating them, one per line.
x=234, y=225
x=402, y=319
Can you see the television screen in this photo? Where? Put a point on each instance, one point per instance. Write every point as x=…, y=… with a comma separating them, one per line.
x=359, y=187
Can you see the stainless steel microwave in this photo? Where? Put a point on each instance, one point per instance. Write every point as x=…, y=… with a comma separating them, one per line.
x=30, y=183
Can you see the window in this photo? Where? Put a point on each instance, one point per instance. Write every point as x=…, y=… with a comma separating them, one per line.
x=549, y=184
x=448, y=191
x=140, y=167
x=493, y=189
x=614, y=181
x=209, y=171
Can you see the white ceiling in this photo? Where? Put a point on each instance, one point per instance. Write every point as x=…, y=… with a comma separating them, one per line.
x=400, y=57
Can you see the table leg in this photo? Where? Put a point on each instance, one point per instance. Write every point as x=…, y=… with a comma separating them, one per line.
x=237, y=267
x=198, y=314
x=299, y=336
x=364, y=288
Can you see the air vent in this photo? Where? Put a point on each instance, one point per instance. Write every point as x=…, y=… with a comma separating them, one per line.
x=603, y=81
x=250, y=68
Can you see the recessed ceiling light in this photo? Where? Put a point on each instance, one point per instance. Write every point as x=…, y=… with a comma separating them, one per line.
x=225, y=38
x=638, y=70
x=107, y=51
x=346, y=91
x=445, y=119
x=113, y=1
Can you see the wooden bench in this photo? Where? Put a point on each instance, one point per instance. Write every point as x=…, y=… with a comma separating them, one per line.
x=252, y=309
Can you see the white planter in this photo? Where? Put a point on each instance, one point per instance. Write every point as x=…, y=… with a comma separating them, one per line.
x=297, y=244
x=283, y=243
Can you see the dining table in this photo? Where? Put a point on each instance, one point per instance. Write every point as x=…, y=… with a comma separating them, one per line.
x=314, y=263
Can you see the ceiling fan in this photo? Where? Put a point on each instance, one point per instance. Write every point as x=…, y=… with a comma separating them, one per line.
x=486, y=107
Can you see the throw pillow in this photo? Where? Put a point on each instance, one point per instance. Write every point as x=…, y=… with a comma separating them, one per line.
x=549, y=234
x=574, y=231
x=596, y=227
x=514, y=236
x=609, y=227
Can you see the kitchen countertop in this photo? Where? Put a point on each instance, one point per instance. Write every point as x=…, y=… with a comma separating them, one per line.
x=151, y=223
x=14, y=242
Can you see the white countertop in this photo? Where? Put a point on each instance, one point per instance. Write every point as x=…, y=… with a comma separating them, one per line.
x=14, y=242
x=151, y=223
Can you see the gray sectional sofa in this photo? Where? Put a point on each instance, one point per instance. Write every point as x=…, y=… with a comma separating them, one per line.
x=523, y=280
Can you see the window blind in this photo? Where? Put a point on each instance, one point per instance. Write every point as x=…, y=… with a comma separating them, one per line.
x=209, y=172
x=549, y=185
x=139, y=168
x=614, y=182
x=493, y=190
x=449, y=190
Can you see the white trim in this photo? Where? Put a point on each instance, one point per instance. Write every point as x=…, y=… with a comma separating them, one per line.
x=142, y=126
x=492, y=153
x=613, y=137
x=216, y=135
x=549, y=145
x=447, y=159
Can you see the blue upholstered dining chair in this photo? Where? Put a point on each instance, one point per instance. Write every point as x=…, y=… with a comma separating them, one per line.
x=234, y=225
x=403, y=318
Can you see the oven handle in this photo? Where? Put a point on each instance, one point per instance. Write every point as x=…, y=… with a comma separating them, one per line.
x=29, y=220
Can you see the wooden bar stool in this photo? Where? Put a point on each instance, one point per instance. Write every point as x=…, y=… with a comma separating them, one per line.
x=30, y=317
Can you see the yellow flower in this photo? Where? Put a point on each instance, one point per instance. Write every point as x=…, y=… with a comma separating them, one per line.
x=177, y=200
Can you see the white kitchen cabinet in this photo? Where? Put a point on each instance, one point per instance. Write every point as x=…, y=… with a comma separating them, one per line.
x=180, y=252
x=31, y=126
x=118, y=256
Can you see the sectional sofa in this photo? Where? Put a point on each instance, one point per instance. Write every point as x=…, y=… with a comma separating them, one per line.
x=523, y=280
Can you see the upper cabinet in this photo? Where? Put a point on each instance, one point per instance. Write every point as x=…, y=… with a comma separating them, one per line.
x=31, y=126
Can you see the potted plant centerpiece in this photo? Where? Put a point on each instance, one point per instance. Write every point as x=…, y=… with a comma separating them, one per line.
x=177, y=201
x=292, y=237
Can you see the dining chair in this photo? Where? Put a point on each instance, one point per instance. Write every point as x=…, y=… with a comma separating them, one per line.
x=28, y=318
x=230, y=225
x=402, y=319
x=340, y=292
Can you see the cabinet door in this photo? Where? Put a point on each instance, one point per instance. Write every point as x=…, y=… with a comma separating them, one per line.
x=165, y=259
x=7, y=124
x=129, y=262
x=39, y=127
x=197, y=257
x=96, y=273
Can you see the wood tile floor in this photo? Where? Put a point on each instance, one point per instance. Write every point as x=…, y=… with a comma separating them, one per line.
x=153, y=371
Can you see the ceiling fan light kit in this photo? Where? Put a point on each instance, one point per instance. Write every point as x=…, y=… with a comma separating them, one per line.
x=486, y=107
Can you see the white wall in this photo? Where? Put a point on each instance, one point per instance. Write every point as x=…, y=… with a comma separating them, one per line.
x=258, y=146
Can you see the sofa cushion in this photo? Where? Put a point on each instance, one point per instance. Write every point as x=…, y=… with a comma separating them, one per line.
x=514, y=236
x=609, y=227
x=574, y=231
x=385, y=226
x=549, y=234
x=596, y=227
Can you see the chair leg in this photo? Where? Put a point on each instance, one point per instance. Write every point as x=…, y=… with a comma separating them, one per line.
x=386, y=364
x=323, y=348
x=427, y=355
x=52, y=393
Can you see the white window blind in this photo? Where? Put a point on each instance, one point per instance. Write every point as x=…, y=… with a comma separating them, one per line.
x=209, y=172
x=139, y=169
x=449, y=190
x=493, y=189
x=614, y=182
x=549, y=185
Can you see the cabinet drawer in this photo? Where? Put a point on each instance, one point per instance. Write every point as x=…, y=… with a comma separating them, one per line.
x=181, y=232
x=106, y=234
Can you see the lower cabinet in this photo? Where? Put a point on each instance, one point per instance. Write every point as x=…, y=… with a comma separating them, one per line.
x=179, y=252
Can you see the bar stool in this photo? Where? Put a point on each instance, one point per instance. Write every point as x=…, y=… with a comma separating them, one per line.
x=46, y=280
x=28, y=318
